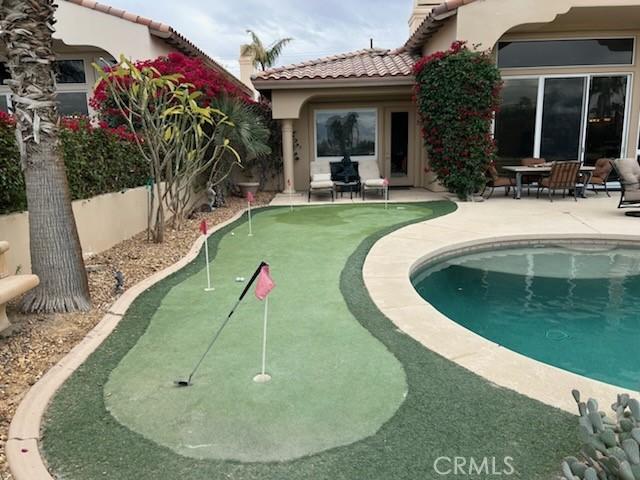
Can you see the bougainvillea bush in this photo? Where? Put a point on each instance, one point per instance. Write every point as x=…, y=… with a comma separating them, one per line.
x=457, y=93
x=193, y=71
x=98, y=160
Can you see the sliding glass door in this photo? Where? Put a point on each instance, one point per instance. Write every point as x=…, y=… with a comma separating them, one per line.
x=582, y=117
x=562, y=117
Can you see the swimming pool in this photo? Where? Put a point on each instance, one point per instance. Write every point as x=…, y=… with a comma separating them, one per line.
x=572, y=306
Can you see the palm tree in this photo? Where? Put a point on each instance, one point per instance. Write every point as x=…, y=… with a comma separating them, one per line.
x=264, y=57
x=56, y=256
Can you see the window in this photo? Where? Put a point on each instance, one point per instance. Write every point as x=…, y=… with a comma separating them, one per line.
x=516, y=120
x=4, y=103
x=558, y=53
x=72, y=103
x=70, y=71
x=340, y=132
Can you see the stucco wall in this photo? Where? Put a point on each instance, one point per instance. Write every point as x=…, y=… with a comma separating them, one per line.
x=102, y=221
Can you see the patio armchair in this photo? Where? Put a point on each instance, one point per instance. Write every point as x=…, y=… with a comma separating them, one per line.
x=629, y=172
x=564, y=177
x=600, y=175
x=321, y=179
x=529, y=180
x=494, y=180
x=370, y=178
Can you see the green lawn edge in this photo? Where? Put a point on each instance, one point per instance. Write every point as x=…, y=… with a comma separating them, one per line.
x=448, y=412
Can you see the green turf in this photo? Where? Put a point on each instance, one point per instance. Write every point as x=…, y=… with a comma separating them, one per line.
x=448, y=410
x=320, y=357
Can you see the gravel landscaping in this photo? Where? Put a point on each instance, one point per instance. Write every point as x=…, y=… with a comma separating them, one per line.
x=40, y=341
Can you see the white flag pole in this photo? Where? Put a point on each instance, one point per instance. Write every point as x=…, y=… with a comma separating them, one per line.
x=206, y=255
x=250, y=227
x=263, y=376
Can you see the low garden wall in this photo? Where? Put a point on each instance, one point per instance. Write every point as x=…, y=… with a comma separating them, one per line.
x=102, y=221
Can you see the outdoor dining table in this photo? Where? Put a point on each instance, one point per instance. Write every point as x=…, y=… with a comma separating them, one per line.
x=520, y=170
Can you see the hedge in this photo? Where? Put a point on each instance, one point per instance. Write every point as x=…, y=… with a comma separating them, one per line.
x=98, y=160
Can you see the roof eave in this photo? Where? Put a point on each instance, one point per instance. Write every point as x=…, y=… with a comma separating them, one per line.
x=304, y=83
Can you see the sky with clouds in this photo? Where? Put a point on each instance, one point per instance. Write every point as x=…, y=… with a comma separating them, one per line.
x=319, y=27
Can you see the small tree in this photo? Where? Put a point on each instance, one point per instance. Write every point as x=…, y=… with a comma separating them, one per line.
x=179, y=138
x=457, y=93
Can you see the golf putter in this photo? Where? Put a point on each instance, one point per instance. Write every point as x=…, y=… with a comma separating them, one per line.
x=187, y=383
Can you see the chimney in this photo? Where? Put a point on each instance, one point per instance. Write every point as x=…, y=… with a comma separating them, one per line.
x=421, y=9
x=247, y=70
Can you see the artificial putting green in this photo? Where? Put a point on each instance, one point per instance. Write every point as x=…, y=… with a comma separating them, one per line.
x=333, y=382
x=448, y=411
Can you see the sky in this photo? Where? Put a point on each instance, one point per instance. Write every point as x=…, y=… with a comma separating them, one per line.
x=318, y=27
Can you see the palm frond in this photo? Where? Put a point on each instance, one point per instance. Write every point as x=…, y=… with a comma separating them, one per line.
x=275, y=51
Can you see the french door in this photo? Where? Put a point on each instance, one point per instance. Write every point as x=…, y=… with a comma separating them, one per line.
x=571, y=117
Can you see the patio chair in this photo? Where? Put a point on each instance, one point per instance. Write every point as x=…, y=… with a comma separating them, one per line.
x=529, y=180
x=629, y=172
x=370, y=178
x=494, y=180
x=604, y=166
x=321, y=179
x=564, y=177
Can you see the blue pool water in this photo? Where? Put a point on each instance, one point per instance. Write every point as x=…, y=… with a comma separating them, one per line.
x=572, y=307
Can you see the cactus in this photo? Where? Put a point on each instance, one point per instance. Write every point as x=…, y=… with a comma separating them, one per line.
x=610, y=445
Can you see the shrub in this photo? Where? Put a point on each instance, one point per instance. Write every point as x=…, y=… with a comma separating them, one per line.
x=457, y=94
x=98, y=160
x=610, y=446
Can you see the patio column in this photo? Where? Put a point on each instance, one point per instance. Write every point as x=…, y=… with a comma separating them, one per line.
x=287, y=154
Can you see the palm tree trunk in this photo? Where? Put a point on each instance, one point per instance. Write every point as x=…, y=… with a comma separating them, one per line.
x=56, y=255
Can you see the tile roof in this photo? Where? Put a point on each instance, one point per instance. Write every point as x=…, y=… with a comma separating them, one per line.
x=433, y=22
x=367, y=63
x=166, y=32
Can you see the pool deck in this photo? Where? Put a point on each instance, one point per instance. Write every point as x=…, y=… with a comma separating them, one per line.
x=393, y=258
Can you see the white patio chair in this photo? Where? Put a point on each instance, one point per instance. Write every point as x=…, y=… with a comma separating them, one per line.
x=321, y=179
x=370, y=178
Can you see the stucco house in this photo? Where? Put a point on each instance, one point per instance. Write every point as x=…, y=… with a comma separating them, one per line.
x=88, y=32
x=570, y=67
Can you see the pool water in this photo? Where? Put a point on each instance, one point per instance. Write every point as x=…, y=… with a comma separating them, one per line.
x=572, y=307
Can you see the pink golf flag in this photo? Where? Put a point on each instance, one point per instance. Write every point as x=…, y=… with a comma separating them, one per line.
x=385, y=182
x=265, y=283
x=203, y=227
x=250, y=197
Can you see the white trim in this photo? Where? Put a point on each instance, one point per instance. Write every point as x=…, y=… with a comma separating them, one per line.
x=556, y=39
x=375, y=110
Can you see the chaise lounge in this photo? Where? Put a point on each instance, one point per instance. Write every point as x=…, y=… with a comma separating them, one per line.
x=629, y=171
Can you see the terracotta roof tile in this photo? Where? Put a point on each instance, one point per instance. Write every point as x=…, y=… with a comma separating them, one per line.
x=173, y=37
x=368, y=63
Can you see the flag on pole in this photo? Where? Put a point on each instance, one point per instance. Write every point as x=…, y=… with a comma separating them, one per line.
x=385, y=182
x=265, y=283
x=203, y=231
x=251, y=197
x=264, y=286
x=250, y=200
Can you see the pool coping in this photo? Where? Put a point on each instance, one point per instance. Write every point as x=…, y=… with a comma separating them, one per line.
x=22, y=446
x=387, y=275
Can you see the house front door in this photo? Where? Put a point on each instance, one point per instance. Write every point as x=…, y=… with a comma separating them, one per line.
x=399, y=150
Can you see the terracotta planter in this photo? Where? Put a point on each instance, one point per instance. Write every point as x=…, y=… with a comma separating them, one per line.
x=246, y=187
